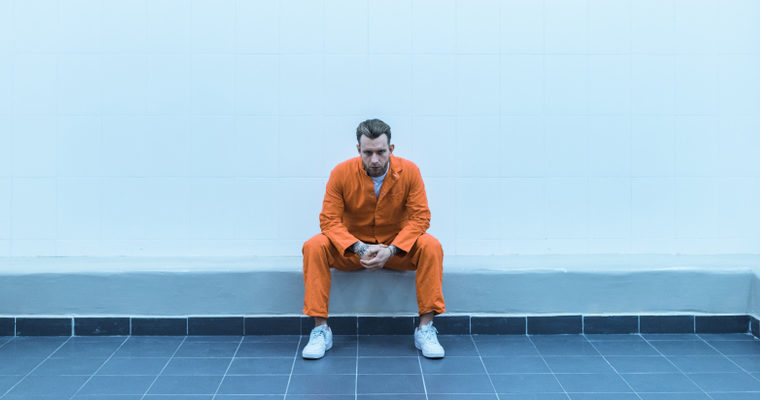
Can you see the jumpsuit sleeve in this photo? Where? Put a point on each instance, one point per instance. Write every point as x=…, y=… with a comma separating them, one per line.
x=331, y=217
x=418, y=212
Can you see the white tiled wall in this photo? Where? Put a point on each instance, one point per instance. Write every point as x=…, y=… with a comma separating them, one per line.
x=209, y=127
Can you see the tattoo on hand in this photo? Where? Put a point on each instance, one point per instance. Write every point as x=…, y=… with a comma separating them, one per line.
x=393, y=250
x=360, y=249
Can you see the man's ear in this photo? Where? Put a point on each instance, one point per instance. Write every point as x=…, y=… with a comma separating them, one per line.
x=359, y=149
x=391, y=147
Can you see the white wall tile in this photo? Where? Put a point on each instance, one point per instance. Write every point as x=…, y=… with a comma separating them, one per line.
x=169, y=26
x=214, y=248
x=478, y=202
x=522, y=208
x=739, y=141
x=255, y=202
x=167, y=210
x=124, y=84
x=477, y=145
x=566, y=213
x=389, y=80
x=79, y=147
x=167, y=146
x=390, y=26
x=609, y=246
x=6, y=249
x=697, y=148
x=6, y=34
x=523, y=246
x=652, y=246
x=696, y=246
x=297, y=17
x=522, y=84
x=652, y=146
x=434, y=26
x=441, y=195
x=697, y=208
x=122, y=248
x=33, y=248
x=169, y=83
x=609, y=146
x=300, y=202
x=402, y=135
x=6, y=147
x=522, y=27
x=696, y=84
x=346, y=28
x=739, y=84
x=477, y=85
x=432, y=91
x=300, y=93
x=300, y=152
x=35, y=90
x=125, y=26
x=35, y=27
x=213, y=84
x=739, y=218
x=652, y=24
x=257, y=84
x=345, y=75
x=158, y=248
x=652, y=85
x=257, y=26
x=609, y=208
x=123, y=209
x=78, y=209
x=738, y=30
x=213, y=26
x=6, y=202
x=212, y=147
x=478, y=247
x=652, y=210
x=34, y=146
x=80, y=82
x=522, y=146
x=566, y=26
x=566, y=246
x=609, y=26
x=338, y=142
x=256, y=146
x=566, y=85
x=123, y=147
x=435, y=144
x=212, y=209
x=6, y=84
x=609, y=85
x=80, y=26
x=696, y=27
x=566, y=146
x=477, y=26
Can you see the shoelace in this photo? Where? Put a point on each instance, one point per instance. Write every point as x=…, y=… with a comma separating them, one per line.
x=431, y=335
x=318, y=336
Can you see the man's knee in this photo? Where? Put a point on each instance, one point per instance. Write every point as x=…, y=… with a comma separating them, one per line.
x=318, y=242
x=427, y=242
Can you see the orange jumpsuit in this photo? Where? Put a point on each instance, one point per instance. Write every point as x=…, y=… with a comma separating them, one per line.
x=351, y=212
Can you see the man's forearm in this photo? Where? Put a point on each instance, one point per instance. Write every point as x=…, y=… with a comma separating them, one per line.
x=360, y=248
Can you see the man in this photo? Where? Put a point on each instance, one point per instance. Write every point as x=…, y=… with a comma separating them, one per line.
x=374, y=216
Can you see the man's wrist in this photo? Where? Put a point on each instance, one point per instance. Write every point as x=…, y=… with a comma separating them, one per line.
x=360, y=248
x=393, y=249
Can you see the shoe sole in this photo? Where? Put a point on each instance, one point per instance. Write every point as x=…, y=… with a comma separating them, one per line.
x=429, y=356
x=318, y=357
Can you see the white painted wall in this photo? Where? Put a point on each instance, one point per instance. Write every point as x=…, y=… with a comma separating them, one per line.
x=178, y=127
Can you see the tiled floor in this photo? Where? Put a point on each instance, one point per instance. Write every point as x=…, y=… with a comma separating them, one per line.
x=609, y=367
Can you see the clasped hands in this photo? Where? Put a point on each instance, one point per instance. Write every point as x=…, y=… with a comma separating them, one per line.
x=374, y=256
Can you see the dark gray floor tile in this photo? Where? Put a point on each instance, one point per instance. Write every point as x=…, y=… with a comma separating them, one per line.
x=19, y=365
x=274, y=338
x=533, y=396
x=117, y=385
x=70, y=366
x=267, y=350
x=134, y=348
x=614, y=338
x=260, y=397
x=660, y=383
x=40, y=397
x=689, y=348
x=395, y=396
x=730, y=396
x=206, y=350
x=678, y=396
x=179, y=397
x=678, y=337
x=630, y=348
x=458, y=345
x=185, y=385
x=641, y=364
x=747, y=363
x=261, y=366
x=569, y=348
x=343, y=346
x=85, y=349
x=197, y=366
x=516, y=365
x=462, y=396
x=7, y=382
x=697, y=364
x=254, y=384
x=506, y=348
x=598, y=383
x=398, y=345
x=150, y=366
x=389, y=366
x=49, y=385
x=323, y=384
x=741, y=382
x=216, y=339
x=316, y=397
x=458, y=384
x=453, y=365
x=114, y=397
x=728, y=337
x=526, y=383
x=579, y=365
x=31, y=347
x=387, y=384
x=603, y=396
x=325, y=366
x=735, y=347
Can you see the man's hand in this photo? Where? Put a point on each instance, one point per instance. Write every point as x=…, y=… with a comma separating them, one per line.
x=367, y=251
x=379, y=260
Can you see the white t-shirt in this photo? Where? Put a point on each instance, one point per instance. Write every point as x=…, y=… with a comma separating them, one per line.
x=379, y=183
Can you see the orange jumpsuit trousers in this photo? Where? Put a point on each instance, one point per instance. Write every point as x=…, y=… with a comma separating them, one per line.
x=319, y=255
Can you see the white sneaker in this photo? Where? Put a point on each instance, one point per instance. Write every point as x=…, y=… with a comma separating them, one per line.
x=319, y=342
x=426, y=339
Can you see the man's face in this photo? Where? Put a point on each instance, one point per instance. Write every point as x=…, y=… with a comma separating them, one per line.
x=376, y=154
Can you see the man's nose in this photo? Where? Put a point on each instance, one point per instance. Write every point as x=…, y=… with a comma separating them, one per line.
x=375, y=158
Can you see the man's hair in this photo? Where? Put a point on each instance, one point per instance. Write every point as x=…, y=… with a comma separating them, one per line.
x=373, y=128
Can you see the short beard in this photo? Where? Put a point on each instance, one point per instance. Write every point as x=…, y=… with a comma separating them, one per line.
x=383, y=169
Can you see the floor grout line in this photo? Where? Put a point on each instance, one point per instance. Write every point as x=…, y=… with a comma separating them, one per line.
x=99, y=368
x=35, y=368
x=613, y=368
x=672, y=363
x=164, y=368
x=293, y=367
x=547, y=366
x=228, y=367
x=488, y=374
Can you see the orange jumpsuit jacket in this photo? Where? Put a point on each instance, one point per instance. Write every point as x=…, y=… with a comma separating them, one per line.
x=351, y=212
